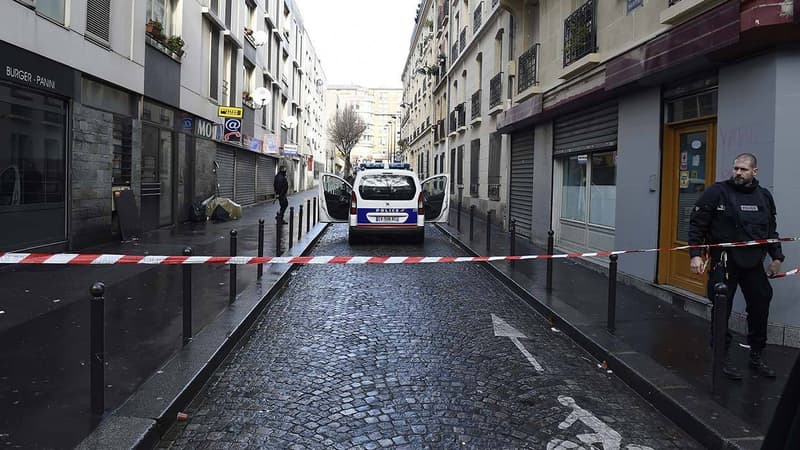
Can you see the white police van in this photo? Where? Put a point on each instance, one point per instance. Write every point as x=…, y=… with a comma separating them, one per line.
x=385, y=198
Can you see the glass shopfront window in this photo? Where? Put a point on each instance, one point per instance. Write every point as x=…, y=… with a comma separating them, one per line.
x=32, y=168
x=589, y=189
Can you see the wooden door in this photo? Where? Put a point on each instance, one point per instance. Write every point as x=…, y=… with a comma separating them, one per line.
x=688, y=169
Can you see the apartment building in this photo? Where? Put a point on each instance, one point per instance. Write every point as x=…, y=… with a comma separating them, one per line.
x=103, y=97
x=379, y=108
x=613, y=117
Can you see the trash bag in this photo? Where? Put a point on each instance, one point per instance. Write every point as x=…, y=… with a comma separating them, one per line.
x=234, y=209
x=220, y=214
x=198, y=212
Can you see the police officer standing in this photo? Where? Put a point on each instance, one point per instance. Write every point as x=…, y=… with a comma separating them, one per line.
x=738, y=209
x=281, y=185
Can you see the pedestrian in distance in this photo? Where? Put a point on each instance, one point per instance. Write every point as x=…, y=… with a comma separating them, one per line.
x=734, y=210
x=281, y=185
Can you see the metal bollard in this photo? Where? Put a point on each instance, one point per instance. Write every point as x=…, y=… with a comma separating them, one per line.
x=471, y=220
x=187, y=298
x=291, y=226
x=315, y=212
x=97, y=348
x=612, y=293
x=512, y=237
x=550, y=247
x=720, y=329
x=278, y=235
x=489, y=230
x=308, y=214
x=260, y=245
x=232, y=269
x=300, y=223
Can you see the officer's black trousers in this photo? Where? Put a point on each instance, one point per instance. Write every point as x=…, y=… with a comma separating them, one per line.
x=757, y=295
x=284, y=204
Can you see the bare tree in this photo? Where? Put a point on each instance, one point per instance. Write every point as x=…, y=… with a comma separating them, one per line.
x=344, y=130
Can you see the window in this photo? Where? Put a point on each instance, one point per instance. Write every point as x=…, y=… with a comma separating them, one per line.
x=162, y=11
x=52, y=9
x=493, y=182
x=213, y=84
x=460, y=175
x=474, y=162
x=121, y=164
x=387, y=187
x=589, y=191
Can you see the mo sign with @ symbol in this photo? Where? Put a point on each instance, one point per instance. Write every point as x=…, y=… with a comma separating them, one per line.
x=28, y=77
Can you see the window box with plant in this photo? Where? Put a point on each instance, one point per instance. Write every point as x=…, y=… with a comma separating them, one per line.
x=155, y=30
x=247, y=100
x=175, y=45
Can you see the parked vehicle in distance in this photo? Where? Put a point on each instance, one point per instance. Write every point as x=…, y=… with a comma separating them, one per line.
x=385, y=198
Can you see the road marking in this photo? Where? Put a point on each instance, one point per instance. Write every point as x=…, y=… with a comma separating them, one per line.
x=503, y=329
x=603, y=434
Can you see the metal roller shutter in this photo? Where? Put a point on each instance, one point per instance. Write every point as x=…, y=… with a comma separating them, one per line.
x=245, y=178
x=588, y=130
x=521, y=184
x=225, y=159
x=265, y=178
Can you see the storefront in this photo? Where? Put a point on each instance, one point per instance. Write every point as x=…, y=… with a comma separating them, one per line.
x=584, y=177
x=35, y=95
x=159, y=144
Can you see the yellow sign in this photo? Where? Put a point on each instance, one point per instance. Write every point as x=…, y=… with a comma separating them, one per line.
x=230, y=111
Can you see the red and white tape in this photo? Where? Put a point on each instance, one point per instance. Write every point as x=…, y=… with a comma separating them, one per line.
x=105, y=259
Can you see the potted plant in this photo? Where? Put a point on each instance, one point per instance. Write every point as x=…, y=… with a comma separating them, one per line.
x=175, y=45
x=247, y=97
x=154, y=28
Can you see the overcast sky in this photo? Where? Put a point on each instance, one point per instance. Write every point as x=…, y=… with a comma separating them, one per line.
x=362, y=42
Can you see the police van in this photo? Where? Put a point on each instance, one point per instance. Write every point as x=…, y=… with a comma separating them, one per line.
x=385, y=198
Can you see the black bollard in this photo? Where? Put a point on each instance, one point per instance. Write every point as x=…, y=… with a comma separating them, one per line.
x=260, y=245
x=512, y=237
x=471, y=220
x=612, y=293
x=278, y=235
x=187, y=298
x=315, y=211
x=291, y=227
x=97, y=348
x=489, y=230
x=720, y=329
x=232, y=269
x=308, y=214
x=300, y=223
x=550, y=247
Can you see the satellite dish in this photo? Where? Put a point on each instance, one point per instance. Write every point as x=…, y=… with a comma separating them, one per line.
x=290, y=122
x=262, y=96
x=260, y=38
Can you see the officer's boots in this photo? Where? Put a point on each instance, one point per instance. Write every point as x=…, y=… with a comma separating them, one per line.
x=757, y=364
x=728, y=369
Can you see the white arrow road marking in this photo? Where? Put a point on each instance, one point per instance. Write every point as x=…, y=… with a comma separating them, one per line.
x=503, y=329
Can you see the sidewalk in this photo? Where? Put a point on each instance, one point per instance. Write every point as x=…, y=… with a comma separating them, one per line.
x=659, y=349
x=44, y=326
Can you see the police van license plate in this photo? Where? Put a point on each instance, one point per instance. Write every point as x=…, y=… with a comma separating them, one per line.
x=387, y=219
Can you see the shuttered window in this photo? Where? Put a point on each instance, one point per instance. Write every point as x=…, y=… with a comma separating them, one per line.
x=474, y=162
x=98, y=18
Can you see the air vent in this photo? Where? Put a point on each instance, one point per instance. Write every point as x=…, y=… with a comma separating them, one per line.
x=98, y=18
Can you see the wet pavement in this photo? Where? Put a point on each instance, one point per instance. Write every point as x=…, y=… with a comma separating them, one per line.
x=665, y=333
x=412, y=356
x=44, y=326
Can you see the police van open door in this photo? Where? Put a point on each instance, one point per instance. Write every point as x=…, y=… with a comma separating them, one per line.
x=334, y=199
x=436, y=198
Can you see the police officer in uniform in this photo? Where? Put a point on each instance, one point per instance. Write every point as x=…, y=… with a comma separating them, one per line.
x=281, y=185
x=738, y=209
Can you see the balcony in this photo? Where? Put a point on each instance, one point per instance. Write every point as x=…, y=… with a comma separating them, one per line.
x=681, y=10
x=477, y=18
x=444, y=13
x=527, y=69
x=462, y=40
x=495, y=91
x=462, y=117
x=475, y=110
x=453, y=122
x=494, y=191
x=580, y=39
x=440, y=126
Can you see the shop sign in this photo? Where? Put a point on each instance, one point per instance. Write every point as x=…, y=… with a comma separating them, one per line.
x=230, y=111
x=26, y=68
x=233, y=131
x=270, y=144
x=188, y=123
x=290, y=149
x=203, y=128
x=253, y=144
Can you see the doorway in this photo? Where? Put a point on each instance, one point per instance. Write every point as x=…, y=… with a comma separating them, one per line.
x=688, y=169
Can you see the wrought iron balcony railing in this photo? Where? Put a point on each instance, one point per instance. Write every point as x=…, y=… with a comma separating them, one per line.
x=496, y=90
x=477, y=18
x=453, y=121
x=476, y=105
x=527, y=68
x=462, y=40
x=580, y=32
x=473, y=189
x=462, y=115
x=440, y=126
x=494, y=191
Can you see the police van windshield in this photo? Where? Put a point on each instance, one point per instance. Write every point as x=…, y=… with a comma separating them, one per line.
x=387, y=187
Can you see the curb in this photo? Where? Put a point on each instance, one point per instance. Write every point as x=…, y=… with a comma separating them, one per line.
x=688, y=407
x=147, y=414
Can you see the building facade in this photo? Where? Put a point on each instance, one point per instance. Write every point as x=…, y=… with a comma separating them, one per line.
x=613, y=117
x=95, y=106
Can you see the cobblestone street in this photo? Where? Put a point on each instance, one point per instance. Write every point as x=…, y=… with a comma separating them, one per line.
x=415, y=356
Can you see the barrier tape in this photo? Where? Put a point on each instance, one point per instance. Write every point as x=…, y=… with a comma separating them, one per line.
x=106, y=259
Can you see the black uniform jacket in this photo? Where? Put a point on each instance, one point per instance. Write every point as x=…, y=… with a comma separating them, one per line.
x=727, y=212
x=281, y=185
